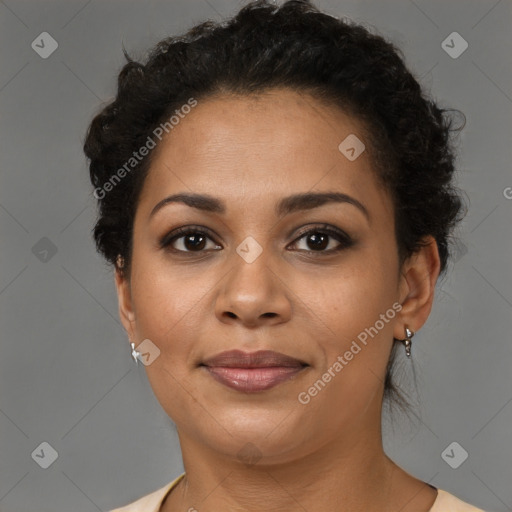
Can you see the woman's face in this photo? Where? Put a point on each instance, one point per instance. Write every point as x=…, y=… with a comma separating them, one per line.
x=258, y=281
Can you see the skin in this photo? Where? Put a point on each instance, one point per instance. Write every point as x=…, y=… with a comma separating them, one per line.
x=327, y=455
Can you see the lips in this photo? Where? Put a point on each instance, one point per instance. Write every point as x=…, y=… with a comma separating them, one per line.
x=251, y=372
x=260, y=359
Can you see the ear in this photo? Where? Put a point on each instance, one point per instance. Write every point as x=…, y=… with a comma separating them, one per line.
x=124, y=297
x=417, y=285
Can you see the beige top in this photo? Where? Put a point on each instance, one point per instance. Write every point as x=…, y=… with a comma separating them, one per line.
x=152, y=502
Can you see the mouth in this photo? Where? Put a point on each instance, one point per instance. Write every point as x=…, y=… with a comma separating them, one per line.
x=252, y=372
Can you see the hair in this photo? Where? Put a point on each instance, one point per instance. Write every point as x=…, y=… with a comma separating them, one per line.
x=298, y=47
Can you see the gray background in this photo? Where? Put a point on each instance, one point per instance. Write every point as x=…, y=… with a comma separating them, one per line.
x=67, y=377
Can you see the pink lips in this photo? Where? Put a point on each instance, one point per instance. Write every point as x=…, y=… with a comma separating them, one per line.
x=251, y=372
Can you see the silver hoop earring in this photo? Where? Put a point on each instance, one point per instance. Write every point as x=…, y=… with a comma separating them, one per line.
x=135, y=354
x=407, y=341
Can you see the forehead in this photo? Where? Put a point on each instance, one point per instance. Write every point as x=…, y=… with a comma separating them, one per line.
x=240, y=148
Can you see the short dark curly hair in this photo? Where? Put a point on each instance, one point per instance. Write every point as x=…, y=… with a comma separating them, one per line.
x=298, y=47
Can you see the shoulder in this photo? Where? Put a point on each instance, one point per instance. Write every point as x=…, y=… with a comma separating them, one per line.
x=447, y=502
x=151, y=502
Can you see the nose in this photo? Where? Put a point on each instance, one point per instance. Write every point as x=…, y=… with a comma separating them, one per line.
x=253, y=294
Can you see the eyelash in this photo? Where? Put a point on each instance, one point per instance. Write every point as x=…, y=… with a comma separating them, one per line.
x=325, y=229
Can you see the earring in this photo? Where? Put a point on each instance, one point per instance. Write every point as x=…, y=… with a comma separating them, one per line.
x=407, y=341
x=135, y=354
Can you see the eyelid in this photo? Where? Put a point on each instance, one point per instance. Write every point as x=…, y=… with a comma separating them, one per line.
x=327, y=228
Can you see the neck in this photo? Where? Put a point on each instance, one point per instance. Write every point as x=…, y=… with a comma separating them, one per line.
x=351, y=472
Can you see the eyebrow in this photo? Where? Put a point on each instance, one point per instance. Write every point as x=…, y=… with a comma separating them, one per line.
x=287, y=205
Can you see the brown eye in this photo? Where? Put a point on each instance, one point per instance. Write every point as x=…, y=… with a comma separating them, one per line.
x=319, y=239
x=188, y=240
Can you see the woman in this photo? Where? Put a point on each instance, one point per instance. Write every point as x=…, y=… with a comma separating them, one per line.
x=275, y=194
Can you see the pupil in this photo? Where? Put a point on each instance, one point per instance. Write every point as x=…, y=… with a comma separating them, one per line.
x=318, y=237
x=194, y=245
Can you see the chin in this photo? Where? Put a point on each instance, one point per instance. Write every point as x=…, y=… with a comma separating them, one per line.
x=273, y=437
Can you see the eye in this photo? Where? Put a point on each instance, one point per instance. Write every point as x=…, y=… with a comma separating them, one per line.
x=194, y=240
x=318, y=239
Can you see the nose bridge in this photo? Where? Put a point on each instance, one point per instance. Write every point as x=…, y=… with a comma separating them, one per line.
x=252, y=290
x=254, y=249
x=252, y=264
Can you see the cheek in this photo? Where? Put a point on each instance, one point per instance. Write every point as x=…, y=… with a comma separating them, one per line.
x=167, y=310
x=356, y=305
x=353, y=296
x=167, y=300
